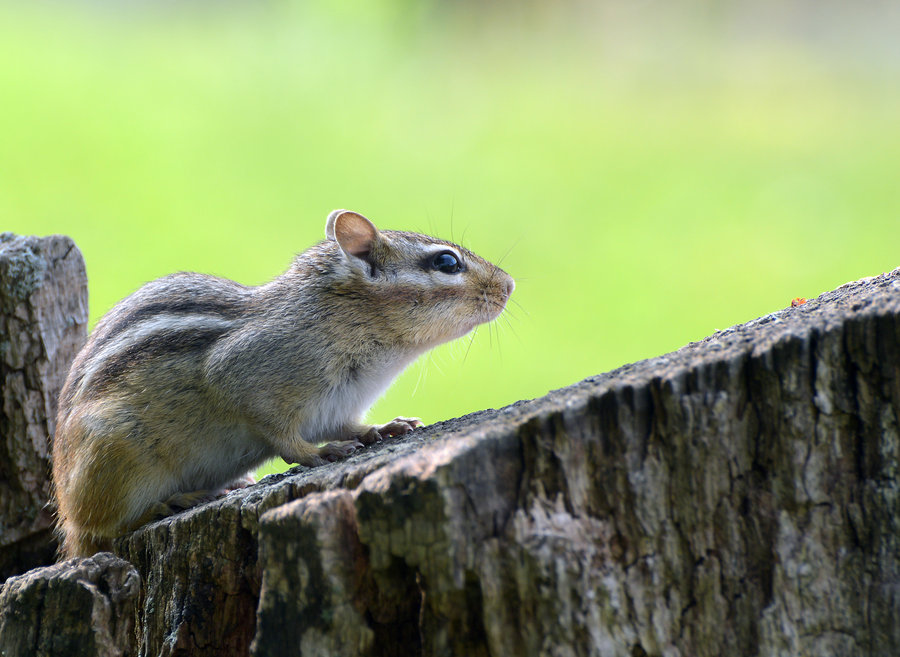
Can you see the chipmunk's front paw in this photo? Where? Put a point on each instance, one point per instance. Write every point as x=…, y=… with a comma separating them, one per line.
x=337, y=451
x=396, y=427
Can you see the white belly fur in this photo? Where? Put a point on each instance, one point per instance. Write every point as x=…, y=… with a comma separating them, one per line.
x=345, y=404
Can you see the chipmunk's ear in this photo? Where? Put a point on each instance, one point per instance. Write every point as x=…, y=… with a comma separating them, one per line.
x=353, y=232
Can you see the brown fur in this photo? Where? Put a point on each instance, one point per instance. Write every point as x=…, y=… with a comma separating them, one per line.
x=193, y=380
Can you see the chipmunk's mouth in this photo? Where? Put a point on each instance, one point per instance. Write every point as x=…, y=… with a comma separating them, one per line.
x=494, y=300
x=484, y=306
x=491, y=310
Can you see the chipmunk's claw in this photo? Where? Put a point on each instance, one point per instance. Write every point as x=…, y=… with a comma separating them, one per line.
x=396, y=427
x=336, y=451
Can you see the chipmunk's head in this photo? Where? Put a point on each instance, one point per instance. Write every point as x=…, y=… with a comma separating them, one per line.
x=429, y=290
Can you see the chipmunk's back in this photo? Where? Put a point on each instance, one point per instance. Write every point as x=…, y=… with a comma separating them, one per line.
x=179, y=314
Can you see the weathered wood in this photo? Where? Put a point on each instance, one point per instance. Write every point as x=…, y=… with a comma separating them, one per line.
x=43, y=323
x=78, y=607
x=738, y=496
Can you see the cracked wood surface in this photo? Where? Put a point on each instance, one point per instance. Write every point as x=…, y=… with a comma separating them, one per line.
x=43, y=323
x=76, y=608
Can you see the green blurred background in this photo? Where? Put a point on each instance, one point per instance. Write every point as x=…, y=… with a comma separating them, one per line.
x=649, y=172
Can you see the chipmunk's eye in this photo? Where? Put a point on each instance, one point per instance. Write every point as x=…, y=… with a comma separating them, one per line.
x=446, y=262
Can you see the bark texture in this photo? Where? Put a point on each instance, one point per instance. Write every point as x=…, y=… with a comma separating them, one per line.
x=740, y=496
x=79, y=607
x=43, y=323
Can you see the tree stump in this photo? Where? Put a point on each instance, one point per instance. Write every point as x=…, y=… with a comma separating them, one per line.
x=740, y=496
x=43, y=324
x=79, y=607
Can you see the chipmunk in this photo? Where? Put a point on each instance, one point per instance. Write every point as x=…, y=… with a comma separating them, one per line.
x=193, y=380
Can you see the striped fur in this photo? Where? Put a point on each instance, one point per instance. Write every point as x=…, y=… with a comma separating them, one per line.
x=193, y=380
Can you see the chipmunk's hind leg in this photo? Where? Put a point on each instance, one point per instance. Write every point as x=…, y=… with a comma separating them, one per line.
x=183, y=501
x=176, y=504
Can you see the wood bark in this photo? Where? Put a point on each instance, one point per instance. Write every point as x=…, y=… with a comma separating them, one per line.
x=79, y=607
x=738, y=496
x=43, y=323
